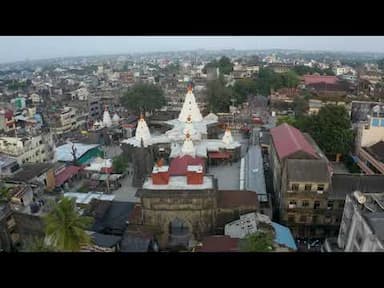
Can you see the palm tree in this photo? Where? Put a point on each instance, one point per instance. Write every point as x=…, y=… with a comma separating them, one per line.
x=65, y=227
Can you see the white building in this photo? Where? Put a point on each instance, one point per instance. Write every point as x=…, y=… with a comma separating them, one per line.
x=362, y=225
x=32, y=149
x=66, y=121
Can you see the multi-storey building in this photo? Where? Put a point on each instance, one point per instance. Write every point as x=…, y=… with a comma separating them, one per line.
x=301, y=180
x=31, y=148
x=362, y=226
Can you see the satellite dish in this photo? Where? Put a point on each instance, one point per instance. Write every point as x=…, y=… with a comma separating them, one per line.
x=359, y=197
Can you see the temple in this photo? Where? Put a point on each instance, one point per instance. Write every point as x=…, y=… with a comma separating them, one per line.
x=189, y=135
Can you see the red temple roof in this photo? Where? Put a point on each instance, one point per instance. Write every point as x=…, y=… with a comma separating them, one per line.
x=179, y=165
x=219, y=155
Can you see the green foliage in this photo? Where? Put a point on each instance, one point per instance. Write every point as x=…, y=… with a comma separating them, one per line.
x=65, y=227
x=286, y=119
x=243, y=88
x=330, y=128
x=38, y=244
x=83, y=189
x=258, y=242
x=15, y=85
x=143, y=97
x=300, y=106
x=218, y=96
x=303, y=70
x=290, y=79
x=267, y=80
x=380, y=64
x=119, y=164
x=225, y=65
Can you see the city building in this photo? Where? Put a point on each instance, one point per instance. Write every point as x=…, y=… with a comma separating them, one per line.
x=28, y=149
x=301, y=180
x=362, y=226
x=8, y=166
x=253, y=222
x=369, y=144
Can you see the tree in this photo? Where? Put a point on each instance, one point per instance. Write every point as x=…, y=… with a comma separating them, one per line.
x=258, y=242
x=65, y=227
x=330, y=128
x=119, y=164
x=243, y=88
x=267, y=80
x=380, y=64
x=300, y=106
x=143, y=98
x=218, y=96
x=286, y=119
x=224, y=64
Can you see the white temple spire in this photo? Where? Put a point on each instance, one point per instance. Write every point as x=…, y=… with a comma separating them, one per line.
x=227, y=138
x=107, y=121
x=188, y=147
x=190, y=108
x=142, y=132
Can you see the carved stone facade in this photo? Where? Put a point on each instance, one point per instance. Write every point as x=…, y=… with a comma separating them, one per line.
x=196, y=208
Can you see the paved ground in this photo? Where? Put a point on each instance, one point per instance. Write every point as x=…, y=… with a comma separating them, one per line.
x=112, y=150
x=339, y=168
x=228, y=176
x=126, y=192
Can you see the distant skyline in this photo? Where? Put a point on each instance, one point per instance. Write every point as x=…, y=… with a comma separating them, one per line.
x=20, y=48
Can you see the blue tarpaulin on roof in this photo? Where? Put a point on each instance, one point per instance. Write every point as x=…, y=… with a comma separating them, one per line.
x=284, y=236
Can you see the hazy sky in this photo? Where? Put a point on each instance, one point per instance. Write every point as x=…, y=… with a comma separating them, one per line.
x=15, y=48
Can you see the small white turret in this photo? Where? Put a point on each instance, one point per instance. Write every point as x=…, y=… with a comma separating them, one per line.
x=142, y=132
x=227, y=138
x=115, y=118
x=107, y=121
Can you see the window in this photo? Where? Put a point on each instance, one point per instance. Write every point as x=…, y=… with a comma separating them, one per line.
x=341, y=205
x=292, y=204
x=315, y=219
x=295, y=187
x=305, y=204
x=320, y=187
x=291, y=218
x=330, y=205
x=308, y=187
x=316, y=205
x=303, y=218
x=382, y=122
x=327, y=219
x=375, y=122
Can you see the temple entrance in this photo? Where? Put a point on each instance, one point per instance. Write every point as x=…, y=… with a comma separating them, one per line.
x=179, y=234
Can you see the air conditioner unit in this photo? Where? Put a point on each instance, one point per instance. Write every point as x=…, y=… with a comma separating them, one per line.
x=320, y=192
x=291, y=206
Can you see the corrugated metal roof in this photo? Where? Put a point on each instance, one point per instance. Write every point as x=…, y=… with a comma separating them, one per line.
x=284, y=236
x=289, y=140
x=64, y=152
